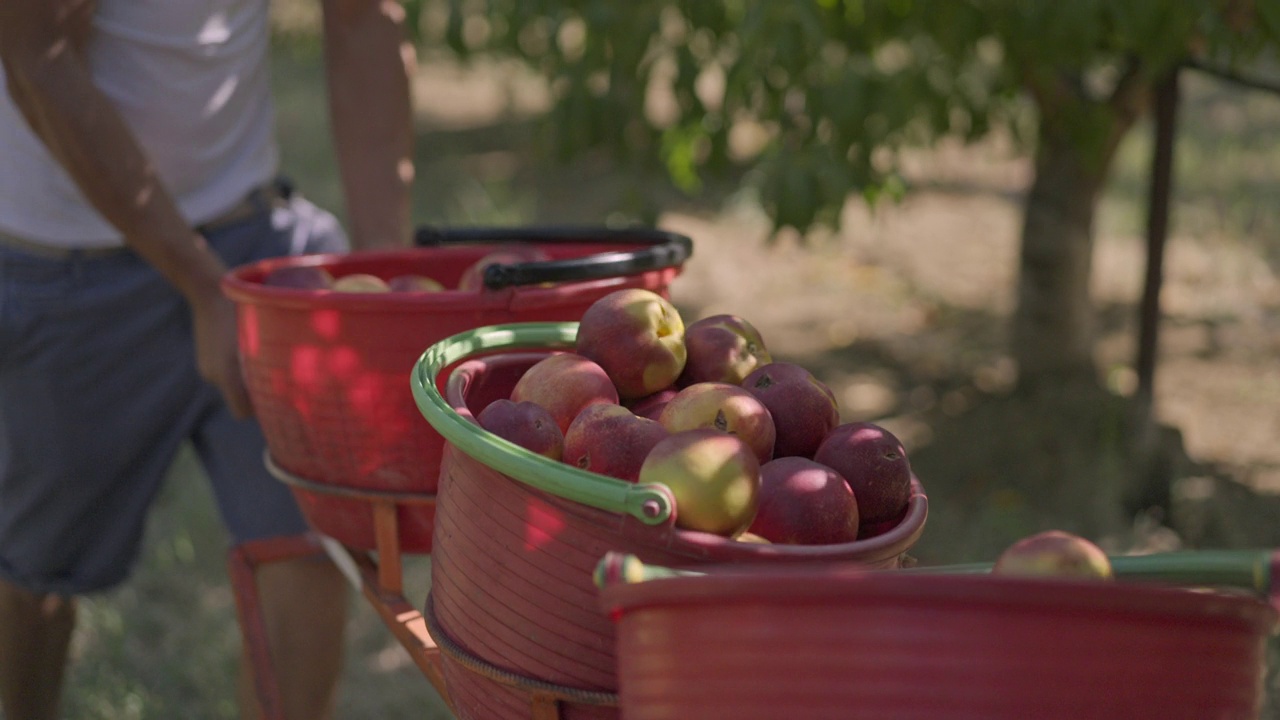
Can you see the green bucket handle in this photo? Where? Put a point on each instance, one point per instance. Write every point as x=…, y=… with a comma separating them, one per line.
x=651, y=504
x=1251, y=570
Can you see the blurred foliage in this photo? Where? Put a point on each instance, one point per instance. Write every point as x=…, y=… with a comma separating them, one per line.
x=811, y=100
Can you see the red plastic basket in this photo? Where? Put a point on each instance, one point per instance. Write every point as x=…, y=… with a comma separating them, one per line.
x=328, y=372
x=840, y=643
x=512, y=603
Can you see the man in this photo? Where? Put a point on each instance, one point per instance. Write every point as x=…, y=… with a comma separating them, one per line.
x=136, y=166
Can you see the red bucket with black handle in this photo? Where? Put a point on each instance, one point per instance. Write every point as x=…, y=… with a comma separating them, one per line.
x=327, y=371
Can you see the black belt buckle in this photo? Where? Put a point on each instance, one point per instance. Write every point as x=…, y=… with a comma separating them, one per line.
x=284, y=187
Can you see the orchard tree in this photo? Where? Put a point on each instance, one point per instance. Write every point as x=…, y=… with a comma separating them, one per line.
x=811, y=102
x=836, y=88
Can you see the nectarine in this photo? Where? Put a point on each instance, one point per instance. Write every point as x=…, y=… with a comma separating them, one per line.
x=714, y=478
x=804, y=409
x=1054, y=553
x=524, y=423
x=637, y=336
x=874, y=463
x=564, y=384
x=611, y=440
x=722, y=348
x=804, y=503
x=726, y=408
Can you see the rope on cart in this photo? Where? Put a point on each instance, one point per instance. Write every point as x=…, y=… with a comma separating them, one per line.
x=506, y=677
x=400, y=497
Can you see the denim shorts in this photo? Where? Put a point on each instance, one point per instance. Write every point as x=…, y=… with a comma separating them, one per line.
x=99, y=391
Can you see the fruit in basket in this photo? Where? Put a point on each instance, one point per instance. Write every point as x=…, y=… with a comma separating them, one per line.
x=360, y=283
x=870, y=530
x=650, y=406
x=526, y=424
x=722, y=348
x=804, y=503
x=564, y=384
x=472, y=278
x=726, y=408
x=714, y=477
x=414, y=283
x=301, y=277
x=874, y=463
x=750, y=537
x=611, y=440
x=804, y=409
x=637, y=336
x=1054, y=553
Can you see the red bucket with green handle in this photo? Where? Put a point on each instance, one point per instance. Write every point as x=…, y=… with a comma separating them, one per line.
x=517, y=538
x=841, y=643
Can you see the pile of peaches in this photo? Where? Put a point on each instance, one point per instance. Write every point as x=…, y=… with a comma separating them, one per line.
x=751, y=449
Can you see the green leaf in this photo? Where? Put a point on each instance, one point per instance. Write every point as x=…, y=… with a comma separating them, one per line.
x=680, y=148
x=1269, y=15
x=453, y=29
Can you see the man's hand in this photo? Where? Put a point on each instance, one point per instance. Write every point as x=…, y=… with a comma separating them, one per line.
x=217, y=351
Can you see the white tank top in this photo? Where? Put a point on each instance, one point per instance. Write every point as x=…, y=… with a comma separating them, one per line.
x=190, y=78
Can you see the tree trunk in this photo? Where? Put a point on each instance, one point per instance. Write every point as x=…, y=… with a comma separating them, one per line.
x=1053, y=323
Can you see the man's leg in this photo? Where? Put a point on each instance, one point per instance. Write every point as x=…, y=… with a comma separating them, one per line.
x=304, y=608
x=304, y=600
x=35, y=631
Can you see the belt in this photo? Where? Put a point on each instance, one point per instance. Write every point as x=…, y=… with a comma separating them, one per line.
x=259, y=200
x=53, y=252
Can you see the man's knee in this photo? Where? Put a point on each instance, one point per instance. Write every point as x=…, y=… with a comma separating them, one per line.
x=34, y=605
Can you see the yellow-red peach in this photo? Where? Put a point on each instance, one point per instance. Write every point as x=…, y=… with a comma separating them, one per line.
x=472, y=277
x=637, y=336
x=714, y=478
x=414, y=283
x=360, y=283
x=725, y=408
x=1054, y=553
x=722, y=348
x=564, y=384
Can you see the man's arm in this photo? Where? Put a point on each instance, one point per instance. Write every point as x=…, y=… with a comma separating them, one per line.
x=368, y=65
x=41, y=43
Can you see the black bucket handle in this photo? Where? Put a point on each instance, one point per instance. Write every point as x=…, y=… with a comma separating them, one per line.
x=663, y=249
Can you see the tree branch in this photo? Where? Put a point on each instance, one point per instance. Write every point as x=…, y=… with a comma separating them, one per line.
x=1231, y=76
x=1132, y=93
x=1051, y=90
x=1129, y=100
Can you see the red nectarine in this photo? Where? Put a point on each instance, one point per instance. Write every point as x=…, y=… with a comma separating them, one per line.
x=874, y=463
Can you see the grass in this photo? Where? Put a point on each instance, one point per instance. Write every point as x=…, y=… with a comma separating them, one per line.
x=165, y=645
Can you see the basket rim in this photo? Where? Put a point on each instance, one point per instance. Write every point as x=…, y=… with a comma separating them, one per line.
x=601, y=492
x=237, y=285
x=652, y=504
x=952, y=593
